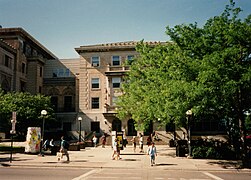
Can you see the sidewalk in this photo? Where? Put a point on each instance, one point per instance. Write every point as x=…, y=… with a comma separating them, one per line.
x=101, y=158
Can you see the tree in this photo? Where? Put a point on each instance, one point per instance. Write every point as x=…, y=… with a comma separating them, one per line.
x=28, y=108
x=205, y=69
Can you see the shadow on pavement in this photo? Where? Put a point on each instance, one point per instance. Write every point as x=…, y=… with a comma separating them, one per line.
x=165, y=164
x=130, y=159
x=124, y=154
x=226, y=164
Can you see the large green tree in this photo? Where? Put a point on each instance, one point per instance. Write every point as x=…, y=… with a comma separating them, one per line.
x=28, y=109
x=206, y=69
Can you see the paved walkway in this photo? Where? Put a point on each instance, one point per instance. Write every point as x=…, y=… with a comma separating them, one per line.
x=101, y=158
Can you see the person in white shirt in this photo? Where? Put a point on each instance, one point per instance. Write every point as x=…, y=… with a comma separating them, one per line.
x=141, y=141
x=152, y=152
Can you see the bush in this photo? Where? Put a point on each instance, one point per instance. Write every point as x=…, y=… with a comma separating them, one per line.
x=212, y=149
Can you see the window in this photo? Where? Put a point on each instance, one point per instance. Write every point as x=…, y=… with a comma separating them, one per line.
x=7, y=61
x=41, y=71
x=114, y=99
x=95, y=61
x=130, y=59
x=116, y=82
x=22, y=86
x=68, y=104
x=62, y=72
x=95, y=103
x=40, y=89
x=115, y=60
x=54, y=102
x=95, y=126
x=23, y=68
x=95, y=82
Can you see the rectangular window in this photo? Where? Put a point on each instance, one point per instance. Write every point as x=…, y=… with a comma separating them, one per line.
x=54, y=102
x=114, y=99
x=68, y=103
x=95, y=126
x=95, y=103
x=116, y=82
x=130, y=59
x=23, y=68
x=95, y=61
x=115, y=60
x=62, y=72
x=22, y=86
x=95, y=82
x=41, y=72
x=7, y=61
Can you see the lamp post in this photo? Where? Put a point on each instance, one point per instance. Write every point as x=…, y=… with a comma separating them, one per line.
x=43, y=113
x=189, y=114
x=79, y=119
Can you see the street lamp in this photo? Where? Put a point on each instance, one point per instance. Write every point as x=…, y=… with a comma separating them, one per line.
x=189, y=114
x=43, y=113
x=79, y=119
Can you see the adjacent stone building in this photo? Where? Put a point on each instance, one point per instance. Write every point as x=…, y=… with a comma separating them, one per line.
x=22, y=60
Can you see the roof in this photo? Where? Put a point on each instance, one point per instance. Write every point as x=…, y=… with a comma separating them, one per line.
x=7, y=32
x=117, y=46
x=7, y=46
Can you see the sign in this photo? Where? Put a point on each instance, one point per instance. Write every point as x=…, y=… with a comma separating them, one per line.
x=13, y=123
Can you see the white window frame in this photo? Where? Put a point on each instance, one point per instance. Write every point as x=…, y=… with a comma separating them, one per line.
x=116, y=60
x=95, y=81
x=93, y=61
x=116, y=80
x=98, y=103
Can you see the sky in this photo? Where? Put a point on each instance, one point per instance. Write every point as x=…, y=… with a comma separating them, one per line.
x=62, y=25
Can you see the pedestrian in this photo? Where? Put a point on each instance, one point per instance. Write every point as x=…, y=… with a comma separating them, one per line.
x=103, y=140
x=115, y=149
x=152, y=152
x=125, y=142
x=46, y=145
x=149, y=140
x=95, y=140
x=133, y=140
x=64, y=148
x=51, y=143
x=141, y=141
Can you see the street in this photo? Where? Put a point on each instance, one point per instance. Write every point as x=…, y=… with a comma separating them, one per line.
x=151, y=173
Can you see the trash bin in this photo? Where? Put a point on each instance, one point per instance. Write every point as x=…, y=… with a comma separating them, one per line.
x=171, y=143
x=181, y=148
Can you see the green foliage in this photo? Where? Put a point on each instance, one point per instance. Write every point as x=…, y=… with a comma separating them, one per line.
x=206, y=69
x=212, y=149
x=28, y=108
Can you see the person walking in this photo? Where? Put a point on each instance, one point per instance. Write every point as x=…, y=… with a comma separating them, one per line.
x=152, y=152
x=64, y=148
x=115, y=149
x=95, y=140
x=103, y=140
x=133, y=140
x=141, y=141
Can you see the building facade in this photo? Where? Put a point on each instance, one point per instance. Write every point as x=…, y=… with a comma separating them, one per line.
x=101, y=72
x=22, y=60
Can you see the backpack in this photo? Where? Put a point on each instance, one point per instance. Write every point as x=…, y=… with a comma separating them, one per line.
x=66, y=145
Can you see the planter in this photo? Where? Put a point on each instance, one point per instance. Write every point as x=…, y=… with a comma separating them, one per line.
x=74, y=147
x=82, y=146
x=171, y=143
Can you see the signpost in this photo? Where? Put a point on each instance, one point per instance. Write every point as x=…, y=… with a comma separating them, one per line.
x=13, y=131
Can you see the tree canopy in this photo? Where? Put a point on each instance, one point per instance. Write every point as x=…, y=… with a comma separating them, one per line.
x=206, y=69
x=28, y=108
